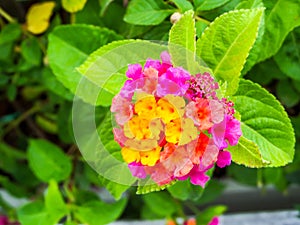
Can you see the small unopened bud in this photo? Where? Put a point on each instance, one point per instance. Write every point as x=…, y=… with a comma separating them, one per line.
x=175, y=17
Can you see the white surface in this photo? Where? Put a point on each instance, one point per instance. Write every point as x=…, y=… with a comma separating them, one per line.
x=262, y=218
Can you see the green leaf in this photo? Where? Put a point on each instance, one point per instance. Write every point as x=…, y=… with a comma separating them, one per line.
x=97, y=151
x=115, y=189
x=282, y=16
x=10, y=33
x=264, y=72
x=54, y=202
x=264, y=122
x=242, y=174
x=31, y=51
x=182, y=41
x=184, y=190
x=208, y=214
x=200, y=27
x=51, y=83
x=73, y=5
x=48, y=161
x=151, y=12
x=287, y=93
x=90, y=14
x=147, y=185
x=67, y=50
x=104, y=4
x=35, y=213
x=247, y=153
x=161, y=203
x=106, y=67
x=183, y=5
x=211, y=192
x=98, y=213
x=250, y=4
x=205, y=5
x=288, y=57
x=225, y=45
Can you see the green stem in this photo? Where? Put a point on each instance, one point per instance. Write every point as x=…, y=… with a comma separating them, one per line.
x=7, y=16
x=72, y=18
x=18, y=120
x=202, y=20
x=260, y=178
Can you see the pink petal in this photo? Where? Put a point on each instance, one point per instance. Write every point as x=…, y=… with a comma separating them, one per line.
x=123, y=109
x=134, y=71
x=165, y=87
x=165, y=57
x=224, y=159
x=210, y=155
x=218, y=133
x=137, y=170
x=217, y=111
x=130, y=86
x=119, y=136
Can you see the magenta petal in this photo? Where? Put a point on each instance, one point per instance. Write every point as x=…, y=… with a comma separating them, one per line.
x=3, y=220
x=198, y=177
x=152, y=63
x=137, y=170
x=179, y=76
x=214, y=221
x=233, y=131
x=130, y=86
x=224, y=159
x=134, y=71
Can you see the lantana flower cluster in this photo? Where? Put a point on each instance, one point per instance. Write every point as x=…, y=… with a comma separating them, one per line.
x=171, y=125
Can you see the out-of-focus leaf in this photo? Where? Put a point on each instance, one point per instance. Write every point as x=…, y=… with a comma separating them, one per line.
x=184, y=190
x=151, y=12
x=104, y=4
x=208, y=214
x=99, y=213
x=264, y=72
x=38, y=16
x=54, y=202
x=287, y=94
x=51, y=83
x=183, y=5
x=211, y=192
x=250, y=4
x=10, y=33
x=204, y=5
x=288, y=57
x=281, y=17
x=161, y=203
x=243, y=174
x=90, y=14
x=31, y=51
x=35, y=213
x=48, y=161
x=73, y=6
